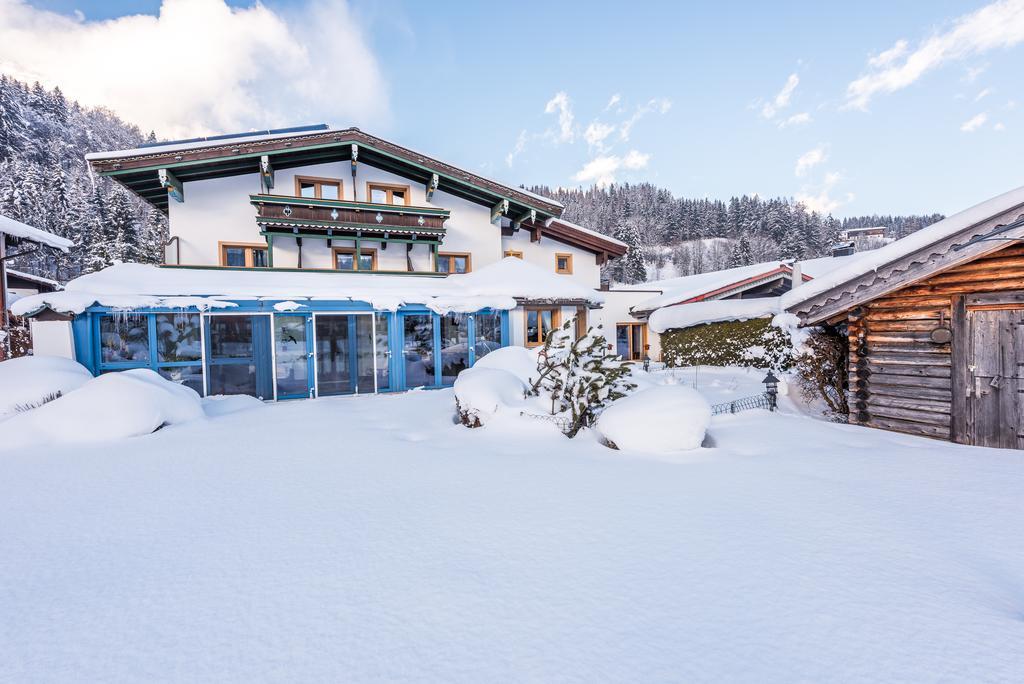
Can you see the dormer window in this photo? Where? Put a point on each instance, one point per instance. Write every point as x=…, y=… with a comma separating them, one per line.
x=318, y=188
x=384, y=193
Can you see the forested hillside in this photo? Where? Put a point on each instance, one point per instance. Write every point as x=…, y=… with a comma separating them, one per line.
x=680, y=236
x=44, y=182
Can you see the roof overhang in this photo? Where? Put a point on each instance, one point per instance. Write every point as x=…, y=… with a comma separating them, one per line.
x=140, y=172
x=722, y=292
x=603, y=246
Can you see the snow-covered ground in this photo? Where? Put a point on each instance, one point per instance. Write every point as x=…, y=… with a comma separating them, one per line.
x=372, y=539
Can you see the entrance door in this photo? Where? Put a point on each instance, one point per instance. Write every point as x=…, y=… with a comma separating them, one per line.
x=993, y=373
x=293, y=354
x=238, y=355
x=418, y=346
x=345, y=354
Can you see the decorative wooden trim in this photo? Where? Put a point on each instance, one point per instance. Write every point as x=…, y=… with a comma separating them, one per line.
x=248, y=247
x=568, y=263
x=451, y=256
x=363, y=251
x=388, y=188
x=317, y=182
x=513, y=253
x=556, y=321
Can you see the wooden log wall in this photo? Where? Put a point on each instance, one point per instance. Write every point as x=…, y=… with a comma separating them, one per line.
x=899, y=379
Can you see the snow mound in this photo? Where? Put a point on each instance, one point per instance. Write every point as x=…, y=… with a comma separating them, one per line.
x=28, y=380
x=519, y=361
x=226, y=404
x=660, y=419
x=482, y=393
x=111, y=407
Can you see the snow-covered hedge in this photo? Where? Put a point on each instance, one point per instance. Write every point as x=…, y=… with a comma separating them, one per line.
x=755, y=342
x=113, y=406
x=657, y=420
x=30, y=381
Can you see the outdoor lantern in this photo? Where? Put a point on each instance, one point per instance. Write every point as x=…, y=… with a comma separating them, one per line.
x=771, y=387
x=647, y=362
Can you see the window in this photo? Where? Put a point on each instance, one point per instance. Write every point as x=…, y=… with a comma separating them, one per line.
x=487, y=333
x=124, y=338
x=345, y=259
x=243, y=254
x=539, y=322
x=129, y=340
x=453, y=263
x=318, y=188
x=563, y=264
x=454, y=346
x=382, y=193
x=513, y=253
x=631, y=340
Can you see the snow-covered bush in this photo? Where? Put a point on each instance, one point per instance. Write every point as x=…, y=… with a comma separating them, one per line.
x=821, y=369
x=658, y=419
x=113, y=406
x=29, y=381
x=755, y=342
x=579, y=376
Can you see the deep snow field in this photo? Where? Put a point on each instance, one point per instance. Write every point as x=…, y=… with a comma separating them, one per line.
x=371, y=539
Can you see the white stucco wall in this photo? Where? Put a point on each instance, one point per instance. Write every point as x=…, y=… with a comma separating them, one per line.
x=616, y=310
x=52, y=338
x=542, y=254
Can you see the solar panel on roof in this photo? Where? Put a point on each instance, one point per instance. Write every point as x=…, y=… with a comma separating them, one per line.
x=247, y=134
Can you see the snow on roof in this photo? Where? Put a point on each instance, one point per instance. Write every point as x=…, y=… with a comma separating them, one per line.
x=24, y=232
x=875, y=259
x=824, y=265
x=676, y=290
x=712, y=311
x=199, y=143
x=586, y=230
x=126, y=286
x=32, y=277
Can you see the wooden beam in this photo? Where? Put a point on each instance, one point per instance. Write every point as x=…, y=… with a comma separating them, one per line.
x=432, y=186
x=171, y=184
x=266, y=173
x=499, y=210
x=530, y=215
x=535, y=234
x=355, y=159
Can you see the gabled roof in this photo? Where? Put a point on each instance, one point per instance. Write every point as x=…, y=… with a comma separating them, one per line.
x=943, y=245
x=223, y=156
x=16, y=229
x=33, y=278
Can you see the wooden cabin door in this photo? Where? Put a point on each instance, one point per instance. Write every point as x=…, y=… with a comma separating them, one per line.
x=993, y=372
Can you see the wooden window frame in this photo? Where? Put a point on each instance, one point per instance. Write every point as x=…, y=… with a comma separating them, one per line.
x=568, y=260
x=248, y=247
x=453, y=255
x=513, y=253
x=556, y=322
x=581, y=321
x=355, y=259
x=318, y=181
x=389, y=188
x=633, y=325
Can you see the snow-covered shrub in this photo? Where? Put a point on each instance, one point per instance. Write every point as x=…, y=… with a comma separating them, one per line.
x=658, y=419
x=755, y=342
x=30, y=381
x=497, y=382
x=821, y=368
x=579, y=376
x=113, y=406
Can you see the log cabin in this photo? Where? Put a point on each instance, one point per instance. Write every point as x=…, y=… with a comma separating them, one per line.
x=935, y=325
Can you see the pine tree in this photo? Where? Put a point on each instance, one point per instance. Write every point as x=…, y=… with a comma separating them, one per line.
x=741, y=254
x=629, y=268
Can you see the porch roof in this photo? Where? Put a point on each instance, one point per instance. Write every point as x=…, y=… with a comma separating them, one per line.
x=134, y=286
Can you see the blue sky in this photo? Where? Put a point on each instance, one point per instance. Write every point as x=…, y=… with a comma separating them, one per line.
x=521, y=91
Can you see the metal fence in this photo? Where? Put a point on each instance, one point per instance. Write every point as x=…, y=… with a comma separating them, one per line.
x=758, y=401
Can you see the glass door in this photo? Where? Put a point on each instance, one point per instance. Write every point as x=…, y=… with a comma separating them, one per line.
x=345, y=354
x=418, y=350
x=292, y=356
x=238, y=355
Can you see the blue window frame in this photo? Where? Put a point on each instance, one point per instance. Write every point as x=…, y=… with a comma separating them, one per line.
x=168, y=343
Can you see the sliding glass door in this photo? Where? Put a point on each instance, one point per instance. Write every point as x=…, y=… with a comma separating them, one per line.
x=292, y=352
x=418, y=350
x=345, y=354
x=238, y=355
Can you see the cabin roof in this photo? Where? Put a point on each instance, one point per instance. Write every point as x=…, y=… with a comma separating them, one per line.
x=962, y=237
x=220, y=156
x=33, y=278
x=710, y=285
x=21, y=231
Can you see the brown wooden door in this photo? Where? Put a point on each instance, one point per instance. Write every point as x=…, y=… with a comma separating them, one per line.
x=995, y=361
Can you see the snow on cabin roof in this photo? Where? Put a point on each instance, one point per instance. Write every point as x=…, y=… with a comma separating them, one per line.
x=24, y=232
x=683, y=288
x=128, y=286
x=894, y=251
x=712, y=311
x=582, y=229
x=33, y=278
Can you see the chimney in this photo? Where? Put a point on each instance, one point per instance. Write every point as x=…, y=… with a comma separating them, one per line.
x=798, y=271
x=606, y=285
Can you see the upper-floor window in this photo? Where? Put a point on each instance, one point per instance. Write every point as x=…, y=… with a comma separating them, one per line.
x=563, y=264
x=345, y=259
x=318, y=188
x=453, y=263
x=514, y=253
x=250, y=255
x=384, y=193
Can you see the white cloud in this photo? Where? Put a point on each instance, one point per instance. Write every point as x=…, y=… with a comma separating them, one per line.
x=597, y=132
x=972, y=73
x=560, y=104
x=810, y=159
x=974, y=123
x=998, y=25
x=887, y=57
x=781, y=100
x=518, y=149
x=202, y=67
x=612, y=101
x=796, y=120
x=1000, y=126
x=983, y=94
x=661, y=105
x=820, y=199
x=601, y=170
